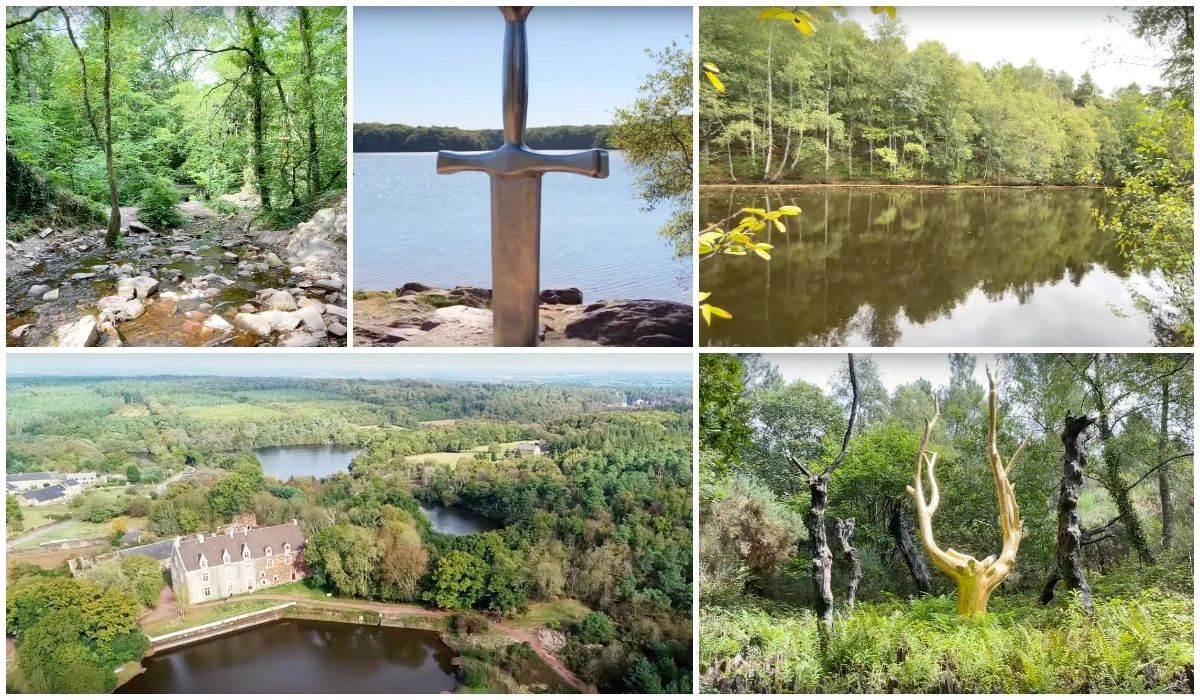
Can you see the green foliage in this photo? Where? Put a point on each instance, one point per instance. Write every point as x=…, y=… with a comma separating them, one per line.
x=158, y=199
x=14, y=519
x=722, y=409
x=343, y=557
x=145, y=577
x=1140, y=643
x=401, y=138
x=458, y=581
x=132, y=474
x=596, y=628
x=655, y=136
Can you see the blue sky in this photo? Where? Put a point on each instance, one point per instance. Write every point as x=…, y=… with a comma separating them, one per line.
x=362, y=365
x=440, y=66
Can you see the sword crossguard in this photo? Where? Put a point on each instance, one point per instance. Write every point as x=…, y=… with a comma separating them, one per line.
x=511, y=161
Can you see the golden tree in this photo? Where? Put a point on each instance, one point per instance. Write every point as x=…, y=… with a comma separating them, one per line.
x=976, y=579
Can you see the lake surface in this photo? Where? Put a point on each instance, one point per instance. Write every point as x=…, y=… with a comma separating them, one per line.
x=924, y=267
x=303, y=656
x=305, y=460
x=413, y=225
x=452, y=520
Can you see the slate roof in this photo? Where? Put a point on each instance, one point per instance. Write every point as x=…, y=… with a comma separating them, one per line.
x=258, y=539
x=47, y=494
x=31, y=476
x=154, y=550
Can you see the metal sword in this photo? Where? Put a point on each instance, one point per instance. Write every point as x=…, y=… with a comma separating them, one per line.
x=516, y=173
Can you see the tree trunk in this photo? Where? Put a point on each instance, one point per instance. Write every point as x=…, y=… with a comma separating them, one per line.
x=30, y=81
x=908, y=550
x=1164, y=472
x=845, y=535
x=828, y=90
x=1070, y=532
x=114, y=209
x=770, y=144
x=257, y=118
x=314, y=163
x=822, y=557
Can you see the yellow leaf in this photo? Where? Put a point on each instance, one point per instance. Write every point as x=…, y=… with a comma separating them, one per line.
x=880, y=9
x=802, y=22
x=789, y=210
x=762, y=254
x=706, y=312
x=718, y=311
x=711, y=67
x=716, y=82
x=779, y=226
x=703, y=295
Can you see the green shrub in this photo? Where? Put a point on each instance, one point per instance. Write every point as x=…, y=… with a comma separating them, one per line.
x=158, y=199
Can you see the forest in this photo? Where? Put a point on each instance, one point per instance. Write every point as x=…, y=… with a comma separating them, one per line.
x=112, y=107
x=401, y=138
x=1026, y=531
x=600, y=521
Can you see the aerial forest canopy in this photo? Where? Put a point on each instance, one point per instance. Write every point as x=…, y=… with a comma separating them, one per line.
x=844, y=102
x=114, y=106
x=1033, y=536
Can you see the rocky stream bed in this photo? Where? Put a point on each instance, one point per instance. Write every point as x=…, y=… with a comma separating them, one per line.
x=213, y=281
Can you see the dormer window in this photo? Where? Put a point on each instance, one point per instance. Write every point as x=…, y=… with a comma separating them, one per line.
x=268, y=551
x=225, y=557
x=287, y=548
x=245, y=553
x=203, y=562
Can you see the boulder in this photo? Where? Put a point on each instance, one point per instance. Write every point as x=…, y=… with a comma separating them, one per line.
x=299, y=339
x=281, y=301
x=112, y=339
x=81, y=334
x=83, y=275
x=282, y=321
x=218, y=323
x=336, y=329
x=570, y=295
x=37, y=291
x=634, y=322
x=273, y=260
x=20, y=330
x=120, y=309
x=51, y=295
x=338, y=311
x=320, y=243
x=411, y=287
x=461, y=317
x=139, y=227
x=305, y=302
x=311, y=319
x=254, y=323
x=142, y=285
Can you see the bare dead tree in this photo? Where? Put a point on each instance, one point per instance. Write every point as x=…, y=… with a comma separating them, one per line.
x=845, y=535
x=1069, y=566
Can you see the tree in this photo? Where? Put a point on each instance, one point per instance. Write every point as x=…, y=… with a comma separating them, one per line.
x=402, y=561
x=145, y=576
x=818, y=491
x=976, y=579
x=1070, y=533
x=655, y=136
x=596, y=628
x=132, y=474
x=458, y=580
x=723, y=427
x=14, y=519
x=343, y=557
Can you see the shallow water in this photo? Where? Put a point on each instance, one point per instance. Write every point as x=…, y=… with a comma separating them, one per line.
x=303, y=656
x=413, y=225
x=925, y=267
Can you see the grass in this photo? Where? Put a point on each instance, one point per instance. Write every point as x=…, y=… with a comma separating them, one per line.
x=304, y=588
x=1139, y=640
x=81, y=531
x=197, y=616
x=546, y=614
x=41, y=517
x=450, y=459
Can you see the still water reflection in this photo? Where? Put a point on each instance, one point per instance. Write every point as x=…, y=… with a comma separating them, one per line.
x=303, y=656
x=452, y=520
x=925, y=267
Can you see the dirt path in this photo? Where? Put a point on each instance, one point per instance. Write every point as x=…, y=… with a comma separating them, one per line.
x=33, y=534
x=529, y=636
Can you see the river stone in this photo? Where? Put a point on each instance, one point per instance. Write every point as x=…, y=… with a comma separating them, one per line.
x=81, y=334
x=311, y=318
x=281, y=301
x=305, y=302
x=254, y=323
x=20, y=330
x=139, y=227
x=142, y=285
x=299, y=339
x=282, y=321
x=37, y=291
x=112, y=339
x=120, y=309
x=218, y=323
x=336, y=329
x=273, y=260
x=51, y=295
x=338, y=311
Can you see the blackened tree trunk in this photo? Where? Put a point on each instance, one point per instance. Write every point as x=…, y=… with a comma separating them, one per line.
x=845, y=535
x=1164, y=472
x=908, y=550
x=1070, y=532
x=818, y=489
x=257, y=117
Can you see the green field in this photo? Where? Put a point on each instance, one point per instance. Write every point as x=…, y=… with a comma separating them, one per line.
x=450, y=459
x=202, y=616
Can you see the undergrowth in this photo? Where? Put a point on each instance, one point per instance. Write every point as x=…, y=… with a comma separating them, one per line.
x=1138, y=640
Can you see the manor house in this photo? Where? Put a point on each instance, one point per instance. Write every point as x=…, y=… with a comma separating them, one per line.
x=240, y=559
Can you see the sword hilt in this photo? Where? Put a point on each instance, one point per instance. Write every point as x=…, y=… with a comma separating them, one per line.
x=515, y=74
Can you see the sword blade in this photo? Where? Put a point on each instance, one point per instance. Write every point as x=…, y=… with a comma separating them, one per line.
x=516, y=253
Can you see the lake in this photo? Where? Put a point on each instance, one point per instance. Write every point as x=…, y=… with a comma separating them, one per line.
x=305, y=460
x=413, y=225
x=452, y=520
x=303, y=656
x=924, y=267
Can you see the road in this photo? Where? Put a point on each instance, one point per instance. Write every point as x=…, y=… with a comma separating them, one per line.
x=162, y=488
x=33, y=534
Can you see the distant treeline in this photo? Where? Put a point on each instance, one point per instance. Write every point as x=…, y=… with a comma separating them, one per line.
x=402, y=138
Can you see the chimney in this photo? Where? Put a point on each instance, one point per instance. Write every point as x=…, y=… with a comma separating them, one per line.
x=232, y=531
x=295, y=522
x=177, y=541
x=245, y=529
x=200, y=537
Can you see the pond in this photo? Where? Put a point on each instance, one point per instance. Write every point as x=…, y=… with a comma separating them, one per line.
x=930, y=267
x=595, y=234
x=303, y=656
x=305, y=460
x=452, y=520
